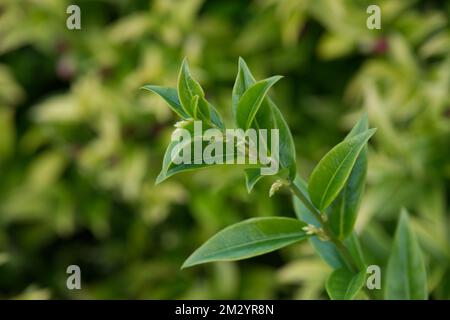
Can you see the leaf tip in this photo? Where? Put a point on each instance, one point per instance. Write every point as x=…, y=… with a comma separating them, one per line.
x=185, y=65
x=241, y=61
x=188, y=263
x=160, y=178
x=404, y=215
x=372, y=132
x=148, y=87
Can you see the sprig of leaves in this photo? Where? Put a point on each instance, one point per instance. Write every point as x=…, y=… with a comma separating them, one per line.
x=326, y=206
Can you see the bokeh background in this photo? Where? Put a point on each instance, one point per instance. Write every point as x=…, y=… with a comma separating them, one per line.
x=81, y=145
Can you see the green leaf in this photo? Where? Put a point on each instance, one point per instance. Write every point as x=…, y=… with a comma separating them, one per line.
x=187, y=88
x=326, y=250
x=244, y=80
x=247, y=239
x=354, y=247
x=252, y=176
x=343, y=211
x=333, y=170
x=406, y=277
x=194, y=106
x=170, y=168
x=251, y=100
x=171, y=97
x=344, y=285
x=287, y=146
x=208, y=113
x=268, y=117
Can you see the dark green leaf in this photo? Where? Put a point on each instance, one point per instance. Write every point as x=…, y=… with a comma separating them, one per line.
x=171, y=97
x=209, y=113
x=333, y=170
x=287, y=146
x=247, y=239
x=343, y=211
x=345, y=285
x=252, y=176
x=354, y=247
x=251, y=100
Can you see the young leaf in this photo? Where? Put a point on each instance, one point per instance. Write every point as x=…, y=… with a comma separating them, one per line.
x=215, y=116
x=251, y=100
x=209, y=113
x=333, y=170
x=344, y=285
x=406, y=275
x=194, y=106
x=171, y=97
x=287, y=147
x=268, y=117
x=244, y=80
x=169, y=168
x=343, y=211
x=188, y=88
x=252, y=176
x=247, y=239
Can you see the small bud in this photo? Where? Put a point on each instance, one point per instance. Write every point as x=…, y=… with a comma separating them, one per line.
x=313, y=230
x=310, y=229
x=182, y=124
x=275, y=187
x=324, y=217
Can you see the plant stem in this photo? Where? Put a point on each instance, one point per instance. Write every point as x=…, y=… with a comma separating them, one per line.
x=348, y=259
x=335, y=240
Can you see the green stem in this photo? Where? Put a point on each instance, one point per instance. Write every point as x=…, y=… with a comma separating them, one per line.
x=348, y=259
x=335, y=240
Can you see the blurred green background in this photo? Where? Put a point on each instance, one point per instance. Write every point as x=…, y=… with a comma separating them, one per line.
x=81, y=145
